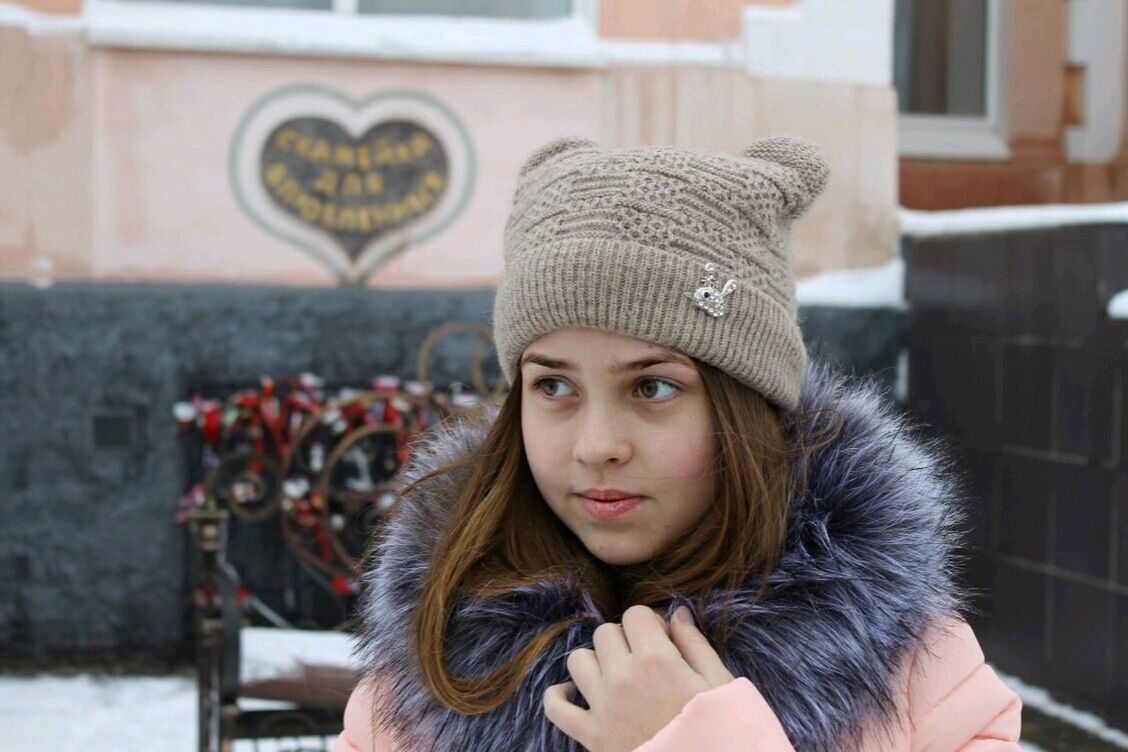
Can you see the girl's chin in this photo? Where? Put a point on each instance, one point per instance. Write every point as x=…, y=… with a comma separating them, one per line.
x=616, y=556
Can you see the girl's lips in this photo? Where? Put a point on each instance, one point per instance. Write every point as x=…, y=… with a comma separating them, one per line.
x=609, y=510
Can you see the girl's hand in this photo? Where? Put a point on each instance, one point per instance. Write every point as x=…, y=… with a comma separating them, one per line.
x=636, y=680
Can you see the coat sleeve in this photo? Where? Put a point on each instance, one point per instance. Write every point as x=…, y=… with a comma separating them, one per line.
x=956, y=701
x=950, y=700
x=358, y=735
x=733, y=717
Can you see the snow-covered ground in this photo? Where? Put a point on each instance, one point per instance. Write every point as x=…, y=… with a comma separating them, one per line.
x=88, y=713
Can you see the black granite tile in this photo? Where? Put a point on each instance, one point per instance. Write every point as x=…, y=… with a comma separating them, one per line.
x=1024, y=507
x=921, y=377
x=1112, y=242
x=1013, y=634
x=928, y=271
x=1081, y=519
x=952, y=361
x=977, y=578
x=1086, y=403
x=1030, y=301
x=1027, y=394
x=978, y=386
x=1120, y=405
x=1081, y=638
x=1077, y=269
x=952, y=385
x=979, y=472
x=862, y=341
x=978, y=290
x=928, y=368
x=1119, y=417
x=1120, y=507
x=1118, y=700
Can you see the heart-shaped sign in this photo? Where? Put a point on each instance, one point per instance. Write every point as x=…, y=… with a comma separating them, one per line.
x=356, y=189
x=352, y=183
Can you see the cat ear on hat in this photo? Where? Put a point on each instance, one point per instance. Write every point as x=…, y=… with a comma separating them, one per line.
x=552, y=149
x=805, y=174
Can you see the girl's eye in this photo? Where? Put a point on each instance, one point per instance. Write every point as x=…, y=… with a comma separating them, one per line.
x=539, y=385
x=650, y=392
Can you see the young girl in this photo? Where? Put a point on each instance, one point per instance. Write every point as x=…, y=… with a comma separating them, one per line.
x=675, y=533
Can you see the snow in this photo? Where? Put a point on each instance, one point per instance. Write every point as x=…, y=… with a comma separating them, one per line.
x=928, y=224
x=38, y=23
x=1040, y=699
x=661, y=52
x=124, y=713
x=868, y=287
x=269, y=652
x=96, y=713
x=109, y=714
x=1118, y=306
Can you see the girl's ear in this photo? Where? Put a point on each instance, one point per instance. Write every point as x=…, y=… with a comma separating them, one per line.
x=552, y=149
x=796, y=166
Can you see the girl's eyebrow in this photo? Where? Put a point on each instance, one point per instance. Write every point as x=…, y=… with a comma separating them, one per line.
x=616, y=368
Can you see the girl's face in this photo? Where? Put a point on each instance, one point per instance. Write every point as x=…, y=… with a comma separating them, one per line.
x=606, y=412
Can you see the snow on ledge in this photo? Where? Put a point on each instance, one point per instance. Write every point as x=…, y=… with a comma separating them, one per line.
x=269, y=653
x=38, y=23
x=869, y=287
x=661, y=52
x=1040, y=699
x=1118, y=306
x=929, y=224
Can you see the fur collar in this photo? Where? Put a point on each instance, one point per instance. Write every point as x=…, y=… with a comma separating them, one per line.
x=868, y=565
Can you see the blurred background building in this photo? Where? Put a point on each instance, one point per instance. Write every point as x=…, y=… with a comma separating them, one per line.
x=196, y=193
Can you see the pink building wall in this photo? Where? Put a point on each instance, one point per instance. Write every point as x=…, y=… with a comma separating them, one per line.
x=120, y=157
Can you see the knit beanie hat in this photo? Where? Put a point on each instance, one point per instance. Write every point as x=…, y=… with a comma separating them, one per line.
x=685, y=249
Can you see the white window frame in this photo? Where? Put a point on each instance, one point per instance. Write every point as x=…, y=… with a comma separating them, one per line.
x=962, y=137
x=571, y=41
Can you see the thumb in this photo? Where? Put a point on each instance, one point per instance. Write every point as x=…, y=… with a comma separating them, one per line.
x=696, y=650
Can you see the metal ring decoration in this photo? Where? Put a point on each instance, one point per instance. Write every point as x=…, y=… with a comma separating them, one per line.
x=253, y=493
x=485, y=337
x=373, y=498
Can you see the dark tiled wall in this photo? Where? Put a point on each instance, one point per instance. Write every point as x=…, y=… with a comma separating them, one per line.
x=90, y=465
x=1012, y=354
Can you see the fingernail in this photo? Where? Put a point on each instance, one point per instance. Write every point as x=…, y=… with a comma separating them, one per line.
x=684, y=615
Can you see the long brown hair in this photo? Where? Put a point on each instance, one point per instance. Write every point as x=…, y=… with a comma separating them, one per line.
x=502, y=535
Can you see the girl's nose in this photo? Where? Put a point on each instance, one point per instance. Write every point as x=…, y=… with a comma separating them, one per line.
x=601, y=440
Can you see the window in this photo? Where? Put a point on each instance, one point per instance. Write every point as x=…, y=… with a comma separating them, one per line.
x=948, y=68
x=482, y=8
x=508, y=32
x=293, y=4
x=533, y=9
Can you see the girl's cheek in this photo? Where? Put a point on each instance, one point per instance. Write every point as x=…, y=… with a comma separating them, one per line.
x=540, y=450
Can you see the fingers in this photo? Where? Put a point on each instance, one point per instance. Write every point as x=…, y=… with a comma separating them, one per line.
x=583, y=665
x=610, y=642
x=558, y=708
x=696, y=650
x=646, y=631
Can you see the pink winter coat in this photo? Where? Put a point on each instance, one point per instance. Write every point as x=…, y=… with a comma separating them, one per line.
x=949, y=700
